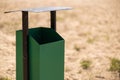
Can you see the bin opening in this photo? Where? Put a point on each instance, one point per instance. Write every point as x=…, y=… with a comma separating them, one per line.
x=44, y=35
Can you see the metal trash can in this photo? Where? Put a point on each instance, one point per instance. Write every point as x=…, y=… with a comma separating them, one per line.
x=39, y=51
x=46, y=54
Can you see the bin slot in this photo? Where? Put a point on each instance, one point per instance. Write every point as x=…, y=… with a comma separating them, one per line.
x=44, y=35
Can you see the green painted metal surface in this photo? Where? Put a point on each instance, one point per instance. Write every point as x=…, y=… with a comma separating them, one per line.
x=46, y=55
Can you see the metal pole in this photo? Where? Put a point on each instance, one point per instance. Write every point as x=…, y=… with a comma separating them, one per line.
x=53, y=19
x=25, y=45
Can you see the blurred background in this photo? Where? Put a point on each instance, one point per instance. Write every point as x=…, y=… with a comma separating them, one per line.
x=91, y=31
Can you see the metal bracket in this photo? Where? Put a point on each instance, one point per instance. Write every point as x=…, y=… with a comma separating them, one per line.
x=25, y=31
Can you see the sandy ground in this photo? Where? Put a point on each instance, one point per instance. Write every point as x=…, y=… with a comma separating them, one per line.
x=91, y=31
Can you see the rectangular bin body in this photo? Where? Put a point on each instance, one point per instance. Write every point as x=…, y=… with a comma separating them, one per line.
x=46, y=55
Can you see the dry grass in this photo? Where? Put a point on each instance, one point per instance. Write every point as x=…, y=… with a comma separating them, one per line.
x=91, y=31
x=4, y=78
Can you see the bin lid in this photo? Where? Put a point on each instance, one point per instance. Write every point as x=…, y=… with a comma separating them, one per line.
x=42, y=9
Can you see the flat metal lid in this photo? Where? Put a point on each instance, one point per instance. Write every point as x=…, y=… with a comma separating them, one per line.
x=42, y=9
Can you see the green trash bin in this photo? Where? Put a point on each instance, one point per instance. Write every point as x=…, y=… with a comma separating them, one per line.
x=46, y=54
